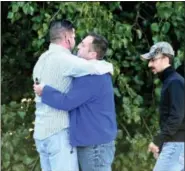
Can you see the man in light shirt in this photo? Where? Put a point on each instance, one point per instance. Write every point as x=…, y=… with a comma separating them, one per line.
x=56, y=67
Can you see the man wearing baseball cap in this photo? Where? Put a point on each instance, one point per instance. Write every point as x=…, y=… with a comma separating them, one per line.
x=168, y=145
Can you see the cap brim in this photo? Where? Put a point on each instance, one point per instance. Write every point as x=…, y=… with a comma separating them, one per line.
x=146, y=56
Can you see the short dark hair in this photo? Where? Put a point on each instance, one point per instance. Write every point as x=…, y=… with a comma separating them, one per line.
x=99, y=45
x=170, y=57
x=57, y=27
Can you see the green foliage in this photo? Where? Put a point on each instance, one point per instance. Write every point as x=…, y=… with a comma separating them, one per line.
x=134, y=156
x=18, y=149
x=130, y=27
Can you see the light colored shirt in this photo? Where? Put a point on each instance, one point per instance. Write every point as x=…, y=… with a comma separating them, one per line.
x=56, y=67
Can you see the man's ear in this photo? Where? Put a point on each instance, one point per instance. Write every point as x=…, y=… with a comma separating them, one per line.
x=65, y=36
x=167, y=60
x=94, y=55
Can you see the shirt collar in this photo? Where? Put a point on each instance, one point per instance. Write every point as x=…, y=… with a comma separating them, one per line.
x=55, y=47
x=166, y=73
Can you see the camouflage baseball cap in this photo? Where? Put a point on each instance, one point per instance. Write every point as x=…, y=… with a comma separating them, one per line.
x=159, y=48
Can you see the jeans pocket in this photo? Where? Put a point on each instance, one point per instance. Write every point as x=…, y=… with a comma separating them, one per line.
x=105, y=154
x=110, y=152
x=53, y=145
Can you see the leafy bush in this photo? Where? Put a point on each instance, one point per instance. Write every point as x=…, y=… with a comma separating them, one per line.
x=18, y=149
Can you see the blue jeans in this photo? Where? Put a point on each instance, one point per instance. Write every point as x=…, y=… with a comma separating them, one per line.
x=56, y=153
x=171, y=157
x=96, y=157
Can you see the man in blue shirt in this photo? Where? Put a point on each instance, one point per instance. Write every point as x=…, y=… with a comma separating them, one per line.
x=90, y=103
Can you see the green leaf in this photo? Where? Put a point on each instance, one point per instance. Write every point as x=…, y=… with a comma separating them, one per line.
x=6, y=164
x=120, y=134
x=36, y=26
x=22, y=114
x=13, y=104
x=18, y=167
x=15, y=8
x=27, y=160
x=165, y=12
x=166, y=27
x=40, y=42
x=10, y=15
x=158, y=92
x=47, y=15
x=125, y=42
x=45, y=27
x=7, y=156
x=21, y=4
x=25, y=8
x=109, y=52
x=157, y=81
x=11, y=150
x=17, y=16
x=155, y=27
x=125, y=64
x=156, y=38
x=40, y=33
x=31, y=10
x=178, y=34
x=37, y=19
x=138, y=81
x=117, y=93
x=177, y=62
x=118, y=164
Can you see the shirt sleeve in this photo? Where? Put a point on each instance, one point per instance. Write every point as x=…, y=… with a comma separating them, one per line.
x=79, y=94
x=77, y=67
x=176, y=113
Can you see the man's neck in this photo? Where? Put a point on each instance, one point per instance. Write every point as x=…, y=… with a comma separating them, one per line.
x=63, y=45
x=166, y=66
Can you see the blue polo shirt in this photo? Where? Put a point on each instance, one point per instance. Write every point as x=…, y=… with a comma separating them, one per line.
x=91, y=106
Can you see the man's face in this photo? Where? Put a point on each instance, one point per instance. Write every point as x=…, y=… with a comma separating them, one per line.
x=157, y=64
x=71, y=39
x=85, y=49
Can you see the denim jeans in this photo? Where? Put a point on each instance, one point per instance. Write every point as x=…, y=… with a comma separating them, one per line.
x=171, y=157
x=96, y=157
x=56, y=154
